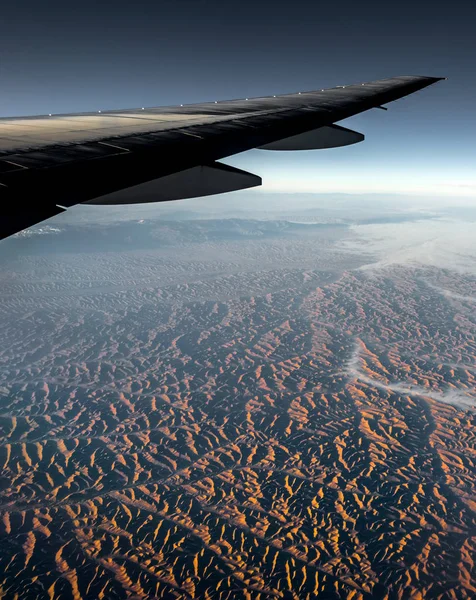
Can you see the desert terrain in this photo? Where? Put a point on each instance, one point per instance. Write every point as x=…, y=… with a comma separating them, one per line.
x=234, y=409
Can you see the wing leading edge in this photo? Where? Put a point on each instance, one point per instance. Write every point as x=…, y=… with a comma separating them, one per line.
x=47, y=161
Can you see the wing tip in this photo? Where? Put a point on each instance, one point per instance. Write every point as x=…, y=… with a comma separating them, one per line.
x=430, y=80
x=423, y=81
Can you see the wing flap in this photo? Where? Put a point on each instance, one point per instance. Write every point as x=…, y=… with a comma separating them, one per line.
x=204, y=180
x=332, y=136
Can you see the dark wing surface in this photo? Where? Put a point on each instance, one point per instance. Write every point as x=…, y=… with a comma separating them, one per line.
x=54, y=161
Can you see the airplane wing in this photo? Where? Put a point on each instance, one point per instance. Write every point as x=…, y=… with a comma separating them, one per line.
x=51, y=162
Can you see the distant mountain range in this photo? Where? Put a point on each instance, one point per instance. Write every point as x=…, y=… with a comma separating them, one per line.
x=150, y=234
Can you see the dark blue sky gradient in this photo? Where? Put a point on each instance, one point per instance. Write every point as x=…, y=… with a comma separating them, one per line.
x=64, y=56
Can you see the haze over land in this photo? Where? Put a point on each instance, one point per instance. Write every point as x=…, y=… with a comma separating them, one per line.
x=202, y=405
